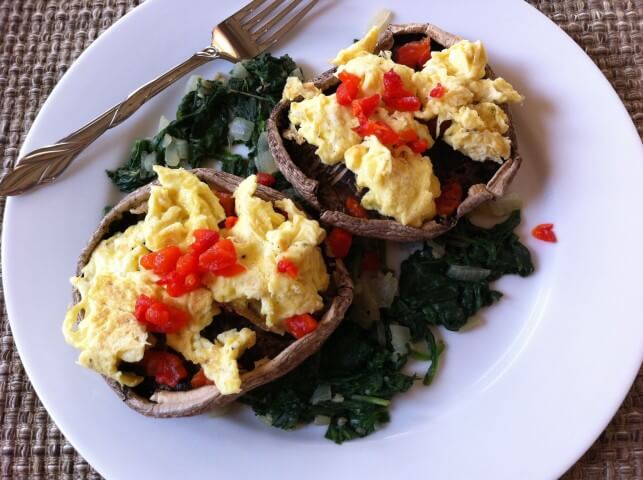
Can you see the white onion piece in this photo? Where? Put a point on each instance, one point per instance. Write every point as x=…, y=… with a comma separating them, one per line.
x=264, y=161
x=297, y=72
x=239, y=71
x=241, y=129
x=505, y=205
x=467, y=274
x=193, y=83
x=381, y=19
x=163, y=122
x=437, y=250
x=321, y=420
x=148, y=160
x=182, y=148
x=172, y=158
x=321, y=394
x=400, y=338
x=385, y=288
x=167, y=139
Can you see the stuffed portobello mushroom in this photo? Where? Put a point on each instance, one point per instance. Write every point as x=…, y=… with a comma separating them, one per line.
x=409, y=132
x=199, y=288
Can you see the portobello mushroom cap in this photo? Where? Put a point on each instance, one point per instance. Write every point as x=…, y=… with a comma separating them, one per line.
x=162, y=403
x=326, y=187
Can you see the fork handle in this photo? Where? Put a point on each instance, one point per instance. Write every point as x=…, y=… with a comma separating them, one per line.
x=47, y=163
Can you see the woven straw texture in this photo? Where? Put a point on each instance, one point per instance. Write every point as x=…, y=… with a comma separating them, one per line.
x=39, y=39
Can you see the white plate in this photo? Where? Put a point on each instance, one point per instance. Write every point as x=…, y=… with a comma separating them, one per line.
x=521, y=396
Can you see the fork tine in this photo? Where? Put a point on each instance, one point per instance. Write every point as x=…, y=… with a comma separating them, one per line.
x=247, y=10
x=261, y=15
x=276, y=19
x=274, y=38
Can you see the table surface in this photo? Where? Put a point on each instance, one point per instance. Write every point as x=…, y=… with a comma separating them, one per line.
x=39, y=39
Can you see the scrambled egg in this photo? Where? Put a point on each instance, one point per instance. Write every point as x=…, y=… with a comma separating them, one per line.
x=112, y=280
x=371, y=68
x=469, y=101
x=315, y=115
x=177, y=207
x=262, y=238
x=359, y=48
x=401, y=186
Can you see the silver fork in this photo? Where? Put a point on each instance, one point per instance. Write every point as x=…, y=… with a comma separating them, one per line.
x=245, y=34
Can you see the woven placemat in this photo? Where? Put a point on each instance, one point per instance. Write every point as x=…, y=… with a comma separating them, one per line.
x=39, y=40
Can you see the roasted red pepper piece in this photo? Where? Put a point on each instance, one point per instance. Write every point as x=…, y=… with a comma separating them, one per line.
x=266, y=179
x=300, y=325
x=162, y=261
x=348, y=89
x=339, y=242
x=354, y=208
x=438, y=91
x=396, y=96
x=404, y=104
x=419, y=145
x=413, y=54
x=545, y=232
x=231, y=222
x=381, y=130
x=449, y=199
x=199, y=379
x=167, y=368
x=288, y=267
x=203, y=239
x=227, y=202
x=364, y=107
x=220, y=256
x=159, y=317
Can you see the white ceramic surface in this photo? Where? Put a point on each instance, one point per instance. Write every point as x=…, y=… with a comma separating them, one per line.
x=523, y=395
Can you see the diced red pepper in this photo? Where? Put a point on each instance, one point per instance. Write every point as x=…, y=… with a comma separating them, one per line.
x=404, y=104
x=449, y=199
x=413, y=54
x=288, y=267
x=231, y=271
x=174, y=284
x=199, y=379
x=192, y=281
x=167, y=368
x=159, y=317
x=545, y=232
x=300, y=325
x=364, y=107
x=408, y=135
x=438, y=91
x=339, y=242
x=231, y=222
x=220, y=256
x=187, y=264
x=203, y=239
x=394, y=86
x=370, y=262
x=227, y=202
x=348, y=89
x=396, y=96
x=266, y=179
x=162, y=261
x=418, y=146
x=143, y=302
x=354, y=208
x=381, y=130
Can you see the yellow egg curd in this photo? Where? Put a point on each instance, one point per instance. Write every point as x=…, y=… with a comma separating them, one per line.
x=102, y=324
x=478, y=126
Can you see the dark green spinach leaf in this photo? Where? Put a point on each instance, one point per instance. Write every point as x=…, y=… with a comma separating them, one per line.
x=203, y=118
